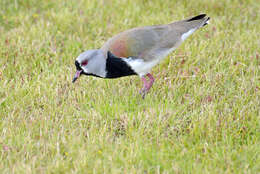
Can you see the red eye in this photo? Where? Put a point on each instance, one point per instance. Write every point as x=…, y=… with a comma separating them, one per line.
x=84, y=63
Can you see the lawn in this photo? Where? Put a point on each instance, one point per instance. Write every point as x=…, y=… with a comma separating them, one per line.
x=201, y=116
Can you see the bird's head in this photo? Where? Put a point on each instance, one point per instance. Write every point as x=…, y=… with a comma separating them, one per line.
x=90, y=62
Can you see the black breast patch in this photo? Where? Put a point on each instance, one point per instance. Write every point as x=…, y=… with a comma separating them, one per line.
x=116, y=67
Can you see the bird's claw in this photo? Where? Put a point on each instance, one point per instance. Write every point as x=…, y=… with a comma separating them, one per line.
x=143, y=92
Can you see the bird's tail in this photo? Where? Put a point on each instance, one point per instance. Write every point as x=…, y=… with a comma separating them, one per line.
x=198, y=21
x=187, y=26
x=191, y=23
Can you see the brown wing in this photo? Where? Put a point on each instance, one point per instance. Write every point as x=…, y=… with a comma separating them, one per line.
x=135, y=42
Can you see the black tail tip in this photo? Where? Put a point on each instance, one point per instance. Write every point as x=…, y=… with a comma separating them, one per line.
x=201, y=16
x=207, y=21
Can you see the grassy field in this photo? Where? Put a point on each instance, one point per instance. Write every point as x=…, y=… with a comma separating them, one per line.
x=201, y=115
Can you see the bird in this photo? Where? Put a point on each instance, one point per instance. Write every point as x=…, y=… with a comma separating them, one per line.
x=136, y=51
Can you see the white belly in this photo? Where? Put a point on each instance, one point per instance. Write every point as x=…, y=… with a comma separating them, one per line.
x=142, y=67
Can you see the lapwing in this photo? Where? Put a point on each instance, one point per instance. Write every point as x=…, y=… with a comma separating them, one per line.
x=136, y=51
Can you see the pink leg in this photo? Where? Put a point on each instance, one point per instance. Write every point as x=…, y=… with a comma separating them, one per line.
x=147, y=85
x=145, y=82
x=151, y=80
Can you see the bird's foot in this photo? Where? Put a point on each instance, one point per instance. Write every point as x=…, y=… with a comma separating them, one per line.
x=143, y=92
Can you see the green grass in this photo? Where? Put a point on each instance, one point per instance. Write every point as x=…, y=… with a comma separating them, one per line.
x=201, y=115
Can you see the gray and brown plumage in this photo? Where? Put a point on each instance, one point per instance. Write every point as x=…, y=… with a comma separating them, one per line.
x=137, y=51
